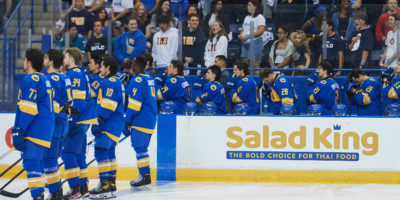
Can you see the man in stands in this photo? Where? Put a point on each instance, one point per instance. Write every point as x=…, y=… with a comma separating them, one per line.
x=82, y=18
x=382, y=29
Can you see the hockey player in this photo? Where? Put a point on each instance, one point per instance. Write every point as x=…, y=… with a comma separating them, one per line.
x=62, y=99
x=245, y=90
x=176, y=88
x=391, y=85
x=110, y=113
x=74, y=145
x=322, y=89
x=281, y=90
x=34, y=121
x=213, y=91
x=366, y=94
x=141, y=120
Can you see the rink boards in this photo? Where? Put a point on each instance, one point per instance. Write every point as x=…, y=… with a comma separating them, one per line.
x=259, y=149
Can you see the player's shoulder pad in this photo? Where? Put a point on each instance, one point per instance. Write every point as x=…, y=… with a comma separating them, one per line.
x=323, y=82
x=76, y=70
x=138, y=79
x=112, y=79
x=35, y=77
x=372, y=79
x=173, y=80
x=213, y=87
x=55, y=77
x=282, y=79
x=245, y=79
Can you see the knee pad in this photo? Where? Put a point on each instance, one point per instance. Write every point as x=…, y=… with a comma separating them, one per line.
x=140, y=150
x=101, y=154
x=34, y=166
x=111, y=154
x=50, y=165
x=81, y=161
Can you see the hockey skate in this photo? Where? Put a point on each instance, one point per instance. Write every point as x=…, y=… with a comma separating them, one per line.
x=41, y=197
x=84, y=190
x=142, y=183
x=113, y=185
x=56, y=196
x=102, y=191
x=73, y=193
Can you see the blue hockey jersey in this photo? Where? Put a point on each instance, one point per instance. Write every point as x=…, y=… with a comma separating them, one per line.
x=142, y=106
x=111, y=98
x=35, y=113
x=282, y=92
x=213, y=92
x=368, y=98
x=246, y=92
x=62, y=93
x=391, y=92
x=95, y=82
x=325, y=92
x=176, y=89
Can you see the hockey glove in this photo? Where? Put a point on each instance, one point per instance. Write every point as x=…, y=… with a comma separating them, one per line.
x=97, y=128
x=266, y=89
x=312, y=79
x=127, y=129
x=388, y=74
x=18, y=139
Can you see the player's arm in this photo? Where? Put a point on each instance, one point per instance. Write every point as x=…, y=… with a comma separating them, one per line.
x=135, y=99
x=237, y=95
x=363, y=97
x=313, y=93
x=393, y=91
x=27, y=107
x=206, y=95
x=109, y=101
x=166, y=92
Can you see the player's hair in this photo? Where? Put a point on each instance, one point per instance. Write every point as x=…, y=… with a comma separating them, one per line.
x=75, y=53
x=99, y=20
x=149, y=59
x=327, y=65
x=139, y=64
x=215, y=70
x=355, y=73
x=257, y=4
x=179, y=65
x=265, y=73
x=35, y=56
x=360, y=15
x=112, y=63
x=242, y=65
x=127, y=64
x=164, y=19
x=56, y=56
x=97, y=59
x=223, y=58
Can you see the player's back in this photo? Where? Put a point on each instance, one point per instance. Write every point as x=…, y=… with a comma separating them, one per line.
x=61, y=93
x=282, y=92
x=214, y=92
x=247, y=92
x=176, y=89
x=370, y=99
x=327, y=94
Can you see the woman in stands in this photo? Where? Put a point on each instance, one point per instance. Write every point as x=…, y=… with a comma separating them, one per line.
x=139, y=12
x=101, y=14
x=217, y=43
x=282, y=49
x=301, y=56
x=255, y=16
x=164, y=8
x=217, y=13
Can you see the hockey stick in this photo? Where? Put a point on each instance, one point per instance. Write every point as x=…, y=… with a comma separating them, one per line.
x=6, y=153
x=11, y=166
x=16, y=195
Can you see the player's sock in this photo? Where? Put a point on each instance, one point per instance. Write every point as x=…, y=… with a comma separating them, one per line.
x=72, y=170
x=52, y=172
x=35, y=176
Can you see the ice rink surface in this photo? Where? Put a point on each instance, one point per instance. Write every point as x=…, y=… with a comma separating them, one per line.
x=218, y=190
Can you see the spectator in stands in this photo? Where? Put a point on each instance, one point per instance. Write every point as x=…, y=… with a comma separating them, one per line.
x=222, y=63
x=178, y=8
x=164, y=9
x=255, y=16
x=82, y=18
x=334, y=48
x=312, y=28
x=191, y=10
x=279, y=88
x=217, y=43
x=213, y=91
x=381, y=30
x=97, y=45
x=366, y=94
x=150, y=5
x=130, y=44
x=194, y=41
x=149, y=61
x=343, y=22
x=120, y=10
x=165, y=42
x=102, y=15
x=75, y=39
x=245, y=90
x=217, y=14
x=282, y=49
x=301, y=55
x=93, y=5
x=389, y=57
x=362, y=42
x=139, y=12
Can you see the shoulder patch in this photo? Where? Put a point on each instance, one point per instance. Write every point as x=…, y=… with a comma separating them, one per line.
x=35, y=77
x=55, y=77
x=77, y=70
x=213, y=87
x=245, y=79
x=138, y=79
x=282, y=80
x=112, y=79
x=371, y=79
x=173, y=80
x=323, y=82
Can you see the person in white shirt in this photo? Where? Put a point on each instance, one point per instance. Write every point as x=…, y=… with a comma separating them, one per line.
x=93, y=5
x=255, y=16
x=120, y=10
x=165, y=43
x=217, y=43
x=389, y=57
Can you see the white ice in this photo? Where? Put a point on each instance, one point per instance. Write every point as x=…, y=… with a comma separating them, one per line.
x=233, y=191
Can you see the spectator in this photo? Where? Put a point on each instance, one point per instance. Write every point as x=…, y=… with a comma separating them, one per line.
x=4, y=13
x=191, y=10
x=102, y=15
x=163, y=9
x=381, y=30
x=150, y=5
x=213, y=91
x=343, y=22
x=194, y=41
x=139, y=12
x=222, y=62
x=82, y=18
x=75, y=39
x=389, y=57
x=245, y=90
x=301, y=56
x=334, y=48
x=267, y=8
x=217, y=44
x=165, y=43
x=179, y=7
x=366, y=94
x=282, y=49
x=120, y=10
x=130, y=44
x=97, y=45
x=255, y=16
x=93, y=5
x=362, y=41
x=217, y=14
x=280, y=90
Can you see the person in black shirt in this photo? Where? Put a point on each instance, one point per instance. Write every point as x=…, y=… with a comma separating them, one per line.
x=82, y=18
x=334, y=48
x=97, y=45
x=193, y=44
x=301, y=56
